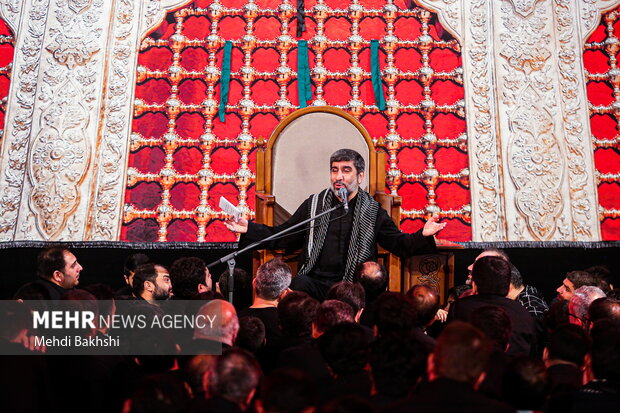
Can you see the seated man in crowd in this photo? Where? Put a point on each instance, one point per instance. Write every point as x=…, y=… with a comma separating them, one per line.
x=58, y=271
x=151, y=282
x=491, y=281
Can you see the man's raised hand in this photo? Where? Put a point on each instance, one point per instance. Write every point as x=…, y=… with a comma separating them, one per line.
x=240, y=226
x=432, y=226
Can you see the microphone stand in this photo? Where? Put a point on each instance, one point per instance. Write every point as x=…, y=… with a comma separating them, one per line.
x=230, y=258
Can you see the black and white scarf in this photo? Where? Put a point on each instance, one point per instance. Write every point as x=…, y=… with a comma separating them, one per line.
x=362, y=244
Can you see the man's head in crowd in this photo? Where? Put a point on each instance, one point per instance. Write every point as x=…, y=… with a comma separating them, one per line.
x=461, y=354
x=349, y=293
x=330, y=313
x=345, y=349
x=489, y=252
x=234, y=376
x=491, y=275
x=602, y=308
x=579, y=304
x=242, y=291
x=59, y=266
x=394, y=313
x=397, y=364
x=152, y=282
x=373, y=277
x=605, y=355
x=525, y=384
x=296, y=312
x=189, y=276
x=494, y=322
x=516, y=283
x=347, y=170
x=286, y=391
x=568, y=343
x=425, y=301
x=251, y=336
x=272, y=280
x=225, y=326
x=574, y=280
x=132, y=262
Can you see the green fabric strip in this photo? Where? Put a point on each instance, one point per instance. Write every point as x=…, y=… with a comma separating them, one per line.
x=303, y=74
x=225, y=80
x=377, y=86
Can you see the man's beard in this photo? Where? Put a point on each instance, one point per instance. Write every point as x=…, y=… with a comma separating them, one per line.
x=161, y=294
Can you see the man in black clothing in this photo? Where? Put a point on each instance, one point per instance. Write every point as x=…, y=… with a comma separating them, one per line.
x=490, y=282
x=58, y=271
x=336, y=243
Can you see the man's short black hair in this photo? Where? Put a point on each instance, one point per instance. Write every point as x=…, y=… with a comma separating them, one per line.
x=345, y=155
x=133, y=261
x=50, y=260
x=251, y=335
x=581, y=278
x=296, y=312
x=235, y=374
x=345, y=348
x=516, y=279
x=186, y=274
x=495, y=323
x=394, y=313
x=491, y=275
x=331, y=313
x=287, y=391
x=568, y=342
x=604, y=307
x=605, y=355
x=374, y=284
x=397, y=362
x=350, y=293
x=146, y=272
x=525, y=384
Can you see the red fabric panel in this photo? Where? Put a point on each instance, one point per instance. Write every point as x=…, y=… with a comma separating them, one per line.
x=192, y=92
x=265, y=60
x=229, y=129
x=337, y=59
x=265, y=92
x=182, y=230
x=187, y=160
x=151, y=125
x=185, y=196
x=194, y=59
x=456, y=230
x=414, y=196
x=595, y=61
x=608, y=160
x=610, y=229
x=446, y=125
x=407, y=59
x=141, y=230
x=190, y=125
x=225, y=161
x=372, y=28
x=6, y=54
x=153, y=91
x=451, y=196
x=5, y=83
x=409, y=92
x=4, y=29
x=412, y=225
x=217, y=231
x=229, y=191
x=148, y=159
x=197, y=27
x=408, y=28
x=410, y=125
x=609, y=195
x=411, y=160
x=600, y=93
x=232, y=28
x=266, y=28
x=338, y=92
x=156, y=58
x=444, y=60
x=450, y=161
x=603, y=126
x=262, y=124
x=445, y=92
x=337, y=28
x=145, y=195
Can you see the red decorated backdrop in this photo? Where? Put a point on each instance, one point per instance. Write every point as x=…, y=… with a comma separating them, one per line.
x=603, y=88
x=7, y=42
x=183, y=158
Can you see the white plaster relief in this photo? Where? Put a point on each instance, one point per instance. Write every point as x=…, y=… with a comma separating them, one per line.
x=10, y=11
x=17, y=133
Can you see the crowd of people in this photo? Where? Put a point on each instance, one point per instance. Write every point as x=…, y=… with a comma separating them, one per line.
x=495, y=345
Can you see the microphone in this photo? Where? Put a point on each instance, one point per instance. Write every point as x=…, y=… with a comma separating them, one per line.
x=343, y=193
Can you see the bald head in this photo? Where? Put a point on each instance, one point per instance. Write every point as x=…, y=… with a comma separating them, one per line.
x=225, y=325
x=373, y=277
x=425, y=302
